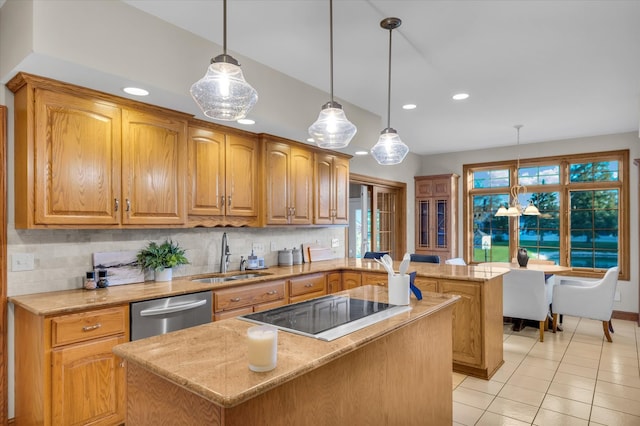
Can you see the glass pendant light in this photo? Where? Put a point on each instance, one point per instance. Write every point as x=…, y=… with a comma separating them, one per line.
x=332, y=130
x=390, y=149
x=515, y=209
x=223, y=93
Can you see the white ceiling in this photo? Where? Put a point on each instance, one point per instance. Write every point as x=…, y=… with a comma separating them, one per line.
x=564, y=69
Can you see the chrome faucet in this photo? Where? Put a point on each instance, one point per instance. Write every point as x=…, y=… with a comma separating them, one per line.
x=224, y=254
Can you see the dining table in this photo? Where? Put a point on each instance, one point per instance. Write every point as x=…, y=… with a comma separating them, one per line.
x=549, y=270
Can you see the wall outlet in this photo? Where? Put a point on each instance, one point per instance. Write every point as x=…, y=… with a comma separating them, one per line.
x=273, y=246
x=258, y=248
x=616, y=297
x=335, y=242
x=22, y=262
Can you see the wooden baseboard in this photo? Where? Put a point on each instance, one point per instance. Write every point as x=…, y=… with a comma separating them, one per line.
x=627, y=316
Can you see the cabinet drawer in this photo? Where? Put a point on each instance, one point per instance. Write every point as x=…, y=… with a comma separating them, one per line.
x=307, y=284
x=88, y=325
x=237, y=297
x=375, y=279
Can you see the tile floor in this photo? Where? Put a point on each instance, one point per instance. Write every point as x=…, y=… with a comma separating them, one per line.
x=574, y=377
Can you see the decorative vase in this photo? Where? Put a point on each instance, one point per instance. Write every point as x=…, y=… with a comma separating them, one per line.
x=165, y=274
x=523, y=257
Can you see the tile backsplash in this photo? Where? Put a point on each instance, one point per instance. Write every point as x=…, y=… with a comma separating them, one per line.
x=61, y=257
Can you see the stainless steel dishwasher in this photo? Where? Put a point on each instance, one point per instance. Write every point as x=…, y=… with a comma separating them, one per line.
x=159, y=316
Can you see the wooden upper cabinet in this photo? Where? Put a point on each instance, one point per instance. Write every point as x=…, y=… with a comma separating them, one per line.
x=206, y=150
x=241, y=179
x=332, y=190
x=289, y=184
x=223, y=176
x=436, y=215
x=85, y=159
x=77, y=162
x=153, y=169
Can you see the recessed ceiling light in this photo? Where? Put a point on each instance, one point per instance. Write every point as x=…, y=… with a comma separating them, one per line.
x=361, y=152
x=409, y=106
x=310, y=140
x=135, y=91
x=460, y=96
x=246, y=121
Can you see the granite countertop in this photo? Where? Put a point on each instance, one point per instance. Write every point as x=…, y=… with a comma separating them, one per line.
x=67, y=301
x=211, y=360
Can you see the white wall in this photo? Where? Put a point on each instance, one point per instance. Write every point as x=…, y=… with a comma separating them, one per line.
x=453, y=162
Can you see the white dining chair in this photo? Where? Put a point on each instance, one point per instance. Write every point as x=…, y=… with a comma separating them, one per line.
x=587, y=299
x=455, y=261
x=524, y=296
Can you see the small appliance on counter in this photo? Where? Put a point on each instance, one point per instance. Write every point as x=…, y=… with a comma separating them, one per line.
x=255, y=262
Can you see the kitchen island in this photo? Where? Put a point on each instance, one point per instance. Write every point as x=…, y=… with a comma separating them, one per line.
x=396, y=371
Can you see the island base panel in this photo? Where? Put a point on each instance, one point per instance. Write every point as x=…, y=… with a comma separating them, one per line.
x=403, y=378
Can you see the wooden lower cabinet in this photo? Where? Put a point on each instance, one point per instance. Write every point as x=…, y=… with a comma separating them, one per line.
x=307, y=287
x=351, y=280
x=374, y=279
x=66, y=373
x=88, y=383
x=426, y=284
x=334, y=282
x=246, y=299
x=477, y=318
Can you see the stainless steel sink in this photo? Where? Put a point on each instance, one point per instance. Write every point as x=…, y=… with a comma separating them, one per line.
x=225, y=278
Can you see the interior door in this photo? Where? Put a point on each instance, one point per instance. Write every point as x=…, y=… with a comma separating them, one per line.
x=384, y=220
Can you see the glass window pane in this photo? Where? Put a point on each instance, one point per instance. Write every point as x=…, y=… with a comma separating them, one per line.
x=540, y=235
x=539, y=175
x=600, y=171
x=594, y=227
x=490, y=233
x=491, y=179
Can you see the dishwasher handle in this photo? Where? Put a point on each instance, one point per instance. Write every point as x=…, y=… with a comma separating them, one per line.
x=173, y=308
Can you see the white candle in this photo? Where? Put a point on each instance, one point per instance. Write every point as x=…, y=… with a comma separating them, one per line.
x=263, y=347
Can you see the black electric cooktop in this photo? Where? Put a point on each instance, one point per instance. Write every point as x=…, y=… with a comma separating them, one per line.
x=327, y=317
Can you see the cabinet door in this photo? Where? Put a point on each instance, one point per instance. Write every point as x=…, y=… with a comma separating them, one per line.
x=334, y=282
x=88, y=384
x=77, y=160
x=340, y=191
x=323, y=210
x=423, y=216
x=467, y=338
x=351, y=280
x=241, y=176
x=277, y=193
x=206, y=182
x=153, y=169
x=301, y=184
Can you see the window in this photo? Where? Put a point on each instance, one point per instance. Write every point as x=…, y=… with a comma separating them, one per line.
x=583, y=201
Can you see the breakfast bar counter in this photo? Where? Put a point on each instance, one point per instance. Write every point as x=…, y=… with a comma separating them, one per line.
x=396, y=371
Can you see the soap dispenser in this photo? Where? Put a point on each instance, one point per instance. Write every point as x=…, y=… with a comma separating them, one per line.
x=253, y=261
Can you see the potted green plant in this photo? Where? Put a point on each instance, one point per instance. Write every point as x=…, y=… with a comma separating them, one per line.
x=161, y=258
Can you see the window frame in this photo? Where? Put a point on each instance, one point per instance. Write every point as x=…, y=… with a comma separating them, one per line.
x=563, y=188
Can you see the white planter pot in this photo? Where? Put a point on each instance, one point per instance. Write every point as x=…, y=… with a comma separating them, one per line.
x=165, y=274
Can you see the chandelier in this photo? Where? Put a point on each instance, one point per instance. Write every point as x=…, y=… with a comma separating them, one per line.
x=515, y=209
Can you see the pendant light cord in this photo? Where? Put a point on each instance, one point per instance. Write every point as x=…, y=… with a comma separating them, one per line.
x=331, y=47
x=224, y=27
x=389, y=85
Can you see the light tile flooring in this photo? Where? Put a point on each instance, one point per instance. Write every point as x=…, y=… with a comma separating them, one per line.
x=574, y=377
